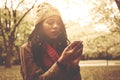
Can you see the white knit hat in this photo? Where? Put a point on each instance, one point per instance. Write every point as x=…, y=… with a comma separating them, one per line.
x=44, y=11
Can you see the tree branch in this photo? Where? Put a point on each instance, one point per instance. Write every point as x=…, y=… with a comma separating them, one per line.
x=19, y=4
x=22, y=19
x=3, y=36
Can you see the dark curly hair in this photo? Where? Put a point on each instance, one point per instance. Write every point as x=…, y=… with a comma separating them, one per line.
x=38, y=40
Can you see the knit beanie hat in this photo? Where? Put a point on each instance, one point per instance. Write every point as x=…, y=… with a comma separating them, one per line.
x=44, y=11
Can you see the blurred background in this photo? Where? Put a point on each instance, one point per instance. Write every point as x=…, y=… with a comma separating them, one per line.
x=96, y=22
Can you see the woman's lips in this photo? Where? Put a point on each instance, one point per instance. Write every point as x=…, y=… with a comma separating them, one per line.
x=55, y=32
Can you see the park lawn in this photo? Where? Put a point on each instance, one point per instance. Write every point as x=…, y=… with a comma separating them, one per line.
x=88, y=73
x=12, y=73
x=100, y=73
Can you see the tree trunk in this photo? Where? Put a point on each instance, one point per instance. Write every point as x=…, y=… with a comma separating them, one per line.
x=8, y=59
x=8, y=62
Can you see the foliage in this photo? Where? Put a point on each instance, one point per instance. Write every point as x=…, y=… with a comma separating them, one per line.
x=104, y=47
x=24, y=30
x=101, y=36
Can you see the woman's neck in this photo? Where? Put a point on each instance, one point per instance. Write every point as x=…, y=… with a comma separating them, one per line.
x=52, y=42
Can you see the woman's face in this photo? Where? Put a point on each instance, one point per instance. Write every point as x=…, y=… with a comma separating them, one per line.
x=51, y=27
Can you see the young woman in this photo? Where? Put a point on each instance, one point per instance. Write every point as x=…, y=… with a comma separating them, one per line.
x=48, y=54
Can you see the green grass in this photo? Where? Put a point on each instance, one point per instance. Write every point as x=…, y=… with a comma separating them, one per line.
x=88, y=73
x=100, y=73
x=12, y=73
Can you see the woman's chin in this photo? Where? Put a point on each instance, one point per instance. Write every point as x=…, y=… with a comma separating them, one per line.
x=54, y=37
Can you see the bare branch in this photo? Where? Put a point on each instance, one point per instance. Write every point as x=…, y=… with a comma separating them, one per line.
x=11, y=4
x=22, y=19
x=19, y=3
x=5, y=3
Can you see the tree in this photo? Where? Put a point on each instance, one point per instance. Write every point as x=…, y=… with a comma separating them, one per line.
x=9, y=22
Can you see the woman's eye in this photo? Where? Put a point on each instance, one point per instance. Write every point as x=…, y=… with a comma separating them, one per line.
x=59, y=23
x=50, y=22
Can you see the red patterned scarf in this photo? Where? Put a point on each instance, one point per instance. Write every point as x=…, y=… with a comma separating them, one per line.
x=51, y=57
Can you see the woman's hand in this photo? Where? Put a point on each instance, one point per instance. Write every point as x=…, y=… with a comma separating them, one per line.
x=72, y=53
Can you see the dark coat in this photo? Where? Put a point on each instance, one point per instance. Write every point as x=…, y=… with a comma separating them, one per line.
x=30, y=71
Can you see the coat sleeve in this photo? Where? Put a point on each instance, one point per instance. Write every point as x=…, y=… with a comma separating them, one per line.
x=29, y=69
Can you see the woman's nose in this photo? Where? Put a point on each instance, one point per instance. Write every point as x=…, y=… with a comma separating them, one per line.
x=56, y=25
